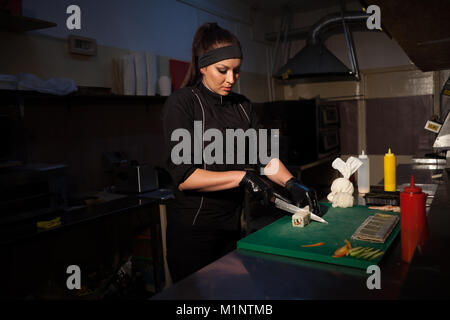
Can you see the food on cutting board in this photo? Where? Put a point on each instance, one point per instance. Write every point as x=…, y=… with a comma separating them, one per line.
x=367, y=253
x=387, y=207
x=343, y=251
x=301, y=218
x=318, y=244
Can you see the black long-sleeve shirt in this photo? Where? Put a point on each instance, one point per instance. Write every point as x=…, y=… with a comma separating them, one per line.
x=218, y=209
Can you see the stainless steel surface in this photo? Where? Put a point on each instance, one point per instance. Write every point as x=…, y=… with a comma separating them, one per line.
x=422, y=173
x=428, y=161
x=251, y=275
x=429, y=166
x=443, y=139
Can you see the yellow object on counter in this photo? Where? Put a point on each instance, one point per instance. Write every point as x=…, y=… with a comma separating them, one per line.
x=49, y=224
x=390, y=164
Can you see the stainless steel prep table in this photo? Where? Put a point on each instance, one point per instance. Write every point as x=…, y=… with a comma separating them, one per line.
x=251, y=275
x=56, y=242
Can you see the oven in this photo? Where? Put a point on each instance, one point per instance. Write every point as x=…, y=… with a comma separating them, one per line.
x=329, y=143
x=328, y=115
x=309, y=129
x=328, y=129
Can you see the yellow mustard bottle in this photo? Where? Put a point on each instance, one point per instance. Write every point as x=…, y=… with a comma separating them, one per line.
x=390, y=172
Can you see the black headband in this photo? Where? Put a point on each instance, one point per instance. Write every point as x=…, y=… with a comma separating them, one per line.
x=219, y=54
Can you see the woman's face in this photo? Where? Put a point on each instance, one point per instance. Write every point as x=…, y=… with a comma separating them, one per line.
x=221, y=76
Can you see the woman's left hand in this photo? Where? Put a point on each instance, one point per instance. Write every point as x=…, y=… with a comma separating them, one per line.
x=300, y=193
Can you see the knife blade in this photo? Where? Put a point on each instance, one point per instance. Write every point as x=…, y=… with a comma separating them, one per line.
x=283, y=205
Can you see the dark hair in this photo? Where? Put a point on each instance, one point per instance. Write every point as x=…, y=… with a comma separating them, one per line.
x=208, y=36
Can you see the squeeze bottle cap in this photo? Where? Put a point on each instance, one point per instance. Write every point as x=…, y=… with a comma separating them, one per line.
x=412, y=187
x=389, y=153
x=362, y=155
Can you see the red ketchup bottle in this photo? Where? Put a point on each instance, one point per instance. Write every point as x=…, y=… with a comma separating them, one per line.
x=412, y=219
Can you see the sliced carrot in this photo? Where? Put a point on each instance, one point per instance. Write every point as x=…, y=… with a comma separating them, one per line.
x=349, y=246
x=341, y=251
x=313, y=245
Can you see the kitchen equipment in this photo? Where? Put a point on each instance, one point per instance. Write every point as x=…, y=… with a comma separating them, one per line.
x=281, y=238
x=364, y=174
x=376, y=228
x=390, y=171
x=442, y=142
x=136, y=179
x=314, y=62
x=309, y=129
x=31, y=190
x=113, y=160
x=443, y=139
x=380, y=197
x=283, y=204
x=413, y=218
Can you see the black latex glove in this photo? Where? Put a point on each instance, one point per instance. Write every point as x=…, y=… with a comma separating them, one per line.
x=257, y=188
x=300, y=193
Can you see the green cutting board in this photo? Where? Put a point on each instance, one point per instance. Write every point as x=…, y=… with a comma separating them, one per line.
x=281, y=238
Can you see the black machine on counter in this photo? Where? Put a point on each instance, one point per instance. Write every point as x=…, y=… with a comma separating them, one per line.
x=129, y=176
x=136, y=179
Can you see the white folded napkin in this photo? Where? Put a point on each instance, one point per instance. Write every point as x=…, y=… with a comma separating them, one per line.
x=341, y=194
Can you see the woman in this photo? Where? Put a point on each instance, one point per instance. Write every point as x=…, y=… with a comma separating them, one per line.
x=203, y=222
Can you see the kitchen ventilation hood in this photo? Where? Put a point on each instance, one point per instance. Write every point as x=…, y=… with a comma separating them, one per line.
x=315, y=62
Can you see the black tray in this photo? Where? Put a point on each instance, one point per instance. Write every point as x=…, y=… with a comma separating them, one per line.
x=378, y=196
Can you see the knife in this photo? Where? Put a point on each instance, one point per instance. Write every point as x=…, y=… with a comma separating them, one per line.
x=282, y=204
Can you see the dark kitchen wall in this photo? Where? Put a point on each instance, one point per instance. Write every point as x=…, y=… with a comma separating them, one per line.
x=348, y=131
x=398, y=123
x=77, y=134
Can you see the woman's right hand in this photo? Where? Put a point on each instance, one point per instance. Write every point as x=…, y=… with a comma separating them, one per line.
x=257, y=188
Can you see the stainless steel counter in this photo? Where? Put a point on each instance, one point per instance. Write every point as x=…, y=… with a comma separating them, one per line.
x=251, y=275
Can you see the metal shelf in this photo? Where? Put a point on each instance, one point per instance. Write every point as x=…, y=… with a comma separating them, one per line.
x=77, y=98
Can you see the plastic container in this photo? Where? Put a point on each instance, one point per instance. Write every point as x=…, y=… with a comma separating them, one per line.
x=390, y=164
x=412, y=219
x=364, y=174
x=165, y=86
